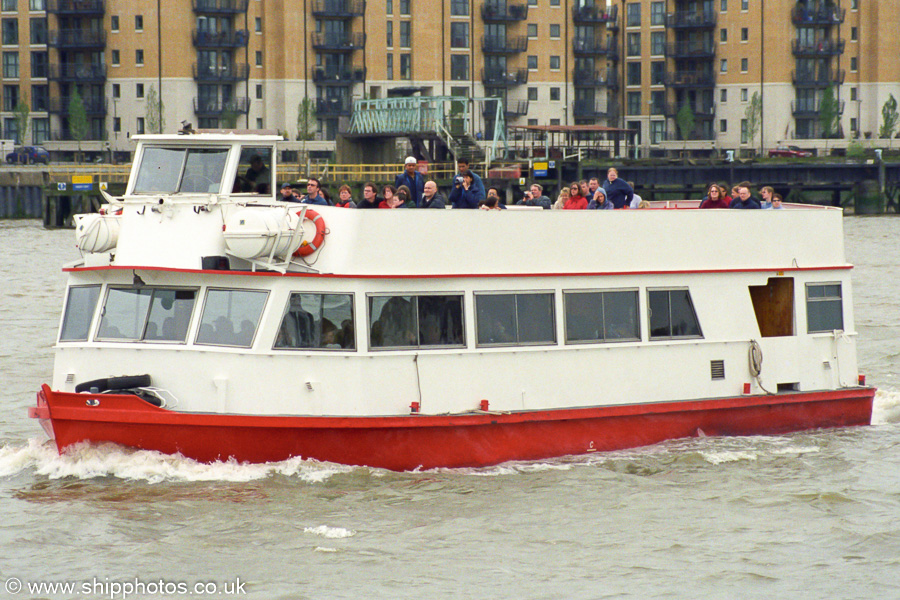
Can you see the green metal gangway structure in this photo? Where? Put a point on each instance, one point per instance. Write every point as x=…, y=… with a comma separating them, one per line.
x=436, y=126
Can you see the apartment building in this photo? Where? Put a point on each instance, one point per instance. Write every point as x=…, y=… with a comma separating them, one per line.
x=133, y=64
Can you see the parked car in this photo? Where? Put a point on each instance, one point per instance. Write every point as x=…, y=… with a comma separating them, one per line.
x=27, y=155
x=790, y=151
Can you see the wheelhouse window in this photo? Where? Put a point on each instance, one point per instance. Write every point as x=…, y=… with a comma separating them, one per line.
x=170, y=170
x=80, y=304
x=318, y=321
x=147, y=314
x=672, y=315
x=601, y=316
x=424, y=321
x=515, y=319
x=231, y=317
x=824, y=307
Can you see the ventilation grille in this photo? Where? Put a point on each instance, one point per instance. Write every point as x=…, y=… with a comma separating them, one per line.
x=717, y=369
x=70, y=378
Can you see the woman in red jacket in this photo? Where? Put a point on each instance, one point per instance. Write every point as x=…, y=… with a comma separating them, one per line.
x=576, y=201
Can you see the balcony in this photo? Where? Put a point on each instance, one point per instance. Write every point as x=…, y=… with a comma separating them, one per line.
x=338, y=76
x=79, y=73
x=214, y=107
x=590, y=109
x=820, y=49
x=595, y=78
x=494, y=77
x=211, y=73
x=338, y=9
x=498, y=44
x=220, y=7
x=586, y=15
x=511, y=110
x=812, y=79
x=811, y=108
x=73, y=39
x=825, y=16
x=594, y=46
x=224, y=39
x=339, y=43
x=79, y=8
x=702, y=111
x=503, y=12
x=690, y=79
x=691, y=20
x=93, y=107
x=702, y=49
x=333, y=107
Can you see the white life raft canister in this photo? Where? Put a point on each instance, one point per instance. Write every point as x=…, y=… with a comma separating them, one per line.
x=253, y=233
x=96, y=233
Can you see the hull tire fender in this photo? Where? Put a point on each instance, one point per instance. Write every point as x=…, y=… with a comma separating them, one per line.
x=114, y=383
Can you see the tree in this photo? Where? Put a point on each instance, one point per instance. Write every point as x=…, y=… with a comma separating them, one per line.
x=830, y=114
x=753, y=115
x=230, y=116
x=306, y=120
x=889, y=118
x=156, y=119
x=685, y=121
x=78, y=121
x=21, y=117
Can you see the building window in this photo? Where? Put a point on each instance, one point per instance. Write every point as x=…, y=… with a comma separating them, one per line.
x=532, y=62
x=745, y=4
x=116, y=90
x=40, y=98
x=459, y=67
x=405, y=66
x=389, y=7
x=258, y=22
x=657, y=13
x=853, y=127
x=532, y=30
x=854, y=63
x=10, y=32
x=723, y=65
x=554, y=63
x=389, y=33
x=634, y=103
x=515, y=319
x=657, y=73
x=533, y=94
x=459, y=8
x=37, y=5
x=39, y=65
x=672, y=315
x=115, y=58
x=139, y=58
x=554, y=31
x=853, y=94
x=824, y=307
x=139, y=90
x=745, y=34
x=657, y=131
x=532, y=3
x=140, y=125
x=633, y=73
x=554, y=2
x=854, y=4
x=11, y=65
x=657, y=103
x=532, y=121
x=635, y=126
x=10, y=97
x=459, y=35
x=9, y=5
x=658, y=43
x=405, y=33
x=854, y=34
x=745, y=136
x=723, y=5
x=634, y=44
x=723, y=35
x=138, y=22
x=554, y=93
x=390, y=66
x=40, y=130
x=634, y=14
x=114, y=23
x=259, y=61
x=259, y=89
x=404, y=7
x=745, y=65
x=39, y=30
x=723, y=126
x=117, y=123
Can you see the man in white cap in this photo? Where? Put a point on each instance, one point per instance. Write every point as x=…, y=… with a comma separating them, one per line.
x=413, y=179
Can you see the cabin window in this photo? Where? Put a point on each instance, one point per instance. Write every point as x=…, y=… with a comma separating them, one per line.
x=149, y=314
x=416, y=321
x=507, y=319
x=254, y=171
x=80, y=304
x=170, y=170
x=318, y=321
x=601, y=316
x=824, y=307
x=230, y=317
x=672, y=315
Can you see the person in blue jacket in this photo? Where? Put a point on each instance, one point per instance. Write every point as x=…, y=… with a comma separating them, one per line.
x=412, y=179
x=475, y=191
x=313, y=193
x=617, y=191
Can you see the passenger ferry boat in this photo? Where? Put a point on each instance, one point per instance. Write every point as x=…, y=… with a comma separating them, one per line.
x=210, y=319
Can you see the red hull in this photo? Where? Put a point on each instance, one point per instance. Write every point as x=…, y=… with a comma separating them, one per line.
x=408, y=442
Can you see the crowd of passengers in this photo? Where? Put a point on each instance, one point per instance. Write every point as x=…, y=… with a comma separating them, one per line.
x=411, y=190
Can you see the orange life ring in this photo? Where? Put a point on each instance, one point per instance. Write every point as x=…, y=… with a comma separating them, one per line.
x=307, y=248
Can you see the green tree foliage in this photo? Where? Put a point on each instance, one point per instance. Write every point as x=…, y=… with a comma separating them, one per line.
x=21, y=116
x=753, y=114
x=685, y=120
x=78, y=121
x=890, y=117
x=830, y=114
x=306, y=120
x=156, y=120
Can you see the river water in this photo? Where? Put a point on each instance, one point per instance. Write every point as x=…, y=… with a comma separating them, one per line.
x=809, y=515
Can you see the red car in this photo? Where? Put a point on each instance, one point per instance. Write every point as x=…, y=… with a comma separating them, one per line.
x=790, y=151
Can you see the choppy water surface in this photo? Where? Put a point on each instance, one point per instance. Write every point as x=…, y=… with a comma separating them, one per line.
x=808, y=515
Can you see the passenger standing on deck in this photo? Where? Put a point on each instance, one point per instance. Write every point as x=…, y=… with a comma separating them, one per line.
x=346, y=200
x=561, y=199
x=412, y=179
x=535, y=197
x=287, y=193
x=593, y=186
x=715, y=198
x=766, y=193
x=600, y=201
x=576, y=201
x=431, y=197
x=391, y=200
x=313, y=193
x=370, y=197
x=744, y=199
x=617, y=191
x=635, y=199
x=476, y=191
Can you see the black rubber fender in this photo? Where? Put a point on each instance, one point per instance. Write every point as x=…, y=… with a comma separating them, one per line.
x=114, y=383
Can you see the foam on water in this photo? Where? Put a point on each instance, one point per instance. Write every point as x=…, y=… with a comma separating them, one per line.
x=329, y=532
x=108, y=460
x=886, y=408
